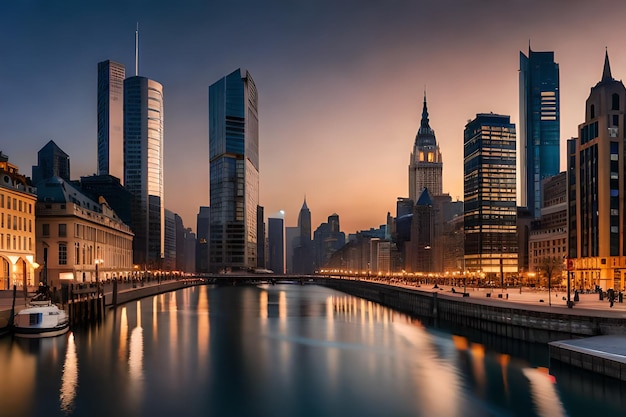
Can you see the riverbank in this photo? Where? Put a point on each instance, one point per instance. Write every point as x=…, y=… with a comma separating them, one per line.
x=524, y=314
x=126, y=291
x=590, y=335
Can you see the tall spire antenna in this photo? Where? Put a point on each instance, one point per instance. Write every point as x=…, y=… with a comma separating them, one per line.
x=137, y=50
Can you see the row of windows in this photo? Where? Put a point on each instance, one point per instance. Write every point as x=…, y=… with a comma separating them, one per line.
x=16, y=243
x=17, y=223
x=12, y=203
x=61, y=231
x=549, y=251
x=548, y=243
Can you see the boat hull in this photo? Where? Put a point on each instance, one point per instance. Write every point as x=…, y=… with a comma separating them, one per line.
x=38, y=332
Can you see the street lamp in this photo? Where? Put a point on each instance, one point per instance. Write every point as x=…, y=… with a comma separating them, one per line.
x=98, y=262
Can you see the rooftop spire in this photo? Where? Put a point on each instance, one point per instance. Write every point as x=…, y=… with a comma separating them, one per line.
x=425, y=125
x=606, y=72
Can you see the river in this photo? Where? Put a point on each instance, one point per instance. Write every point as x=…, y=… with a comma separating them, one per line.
x=286, y=350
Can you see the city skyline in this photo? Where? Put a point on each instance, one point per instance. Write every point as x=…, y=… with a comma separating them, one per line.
x=358, y=67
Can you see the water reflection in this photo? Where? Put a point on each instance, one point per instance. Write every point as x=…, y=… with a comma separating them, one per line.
x=286, y=350
x=135, y=357
x=69, y=380
x=544, y=394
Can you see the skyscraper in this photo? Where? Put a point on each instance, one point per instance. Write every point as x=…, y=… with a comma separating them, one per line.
x=426, y=165
x=490, y=195
x=539, y=129
x=276, y=244
x=234, y=171
x=596, y=188
x=143, y=167
x=111, y=119
x=203, y=219
x=303, y=251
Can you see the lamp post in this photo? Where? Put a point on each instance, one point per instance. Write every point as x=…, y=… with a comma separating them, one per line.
x=98, y=262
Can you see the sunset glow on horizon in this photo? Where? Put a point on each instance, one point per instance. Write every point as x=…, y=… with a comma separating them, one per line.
x=340, y=85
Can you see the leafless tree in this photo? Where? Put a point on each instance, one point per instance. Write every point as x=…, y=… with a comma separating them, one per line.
x=551, y=266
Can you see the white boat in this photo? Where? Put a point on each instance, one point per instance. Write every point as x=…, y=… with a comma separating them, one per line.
x=41, y=319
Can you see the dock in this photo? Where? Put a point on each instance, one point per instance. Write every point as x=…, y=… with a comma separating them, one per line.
x=604, y=355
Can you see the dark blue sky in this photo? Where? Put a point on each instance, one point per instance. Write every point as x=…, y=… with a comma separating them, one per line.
x=340, y=84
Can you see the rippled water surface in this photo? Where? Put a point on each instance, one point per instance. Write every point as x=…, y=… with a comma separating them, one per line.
x=286, y=350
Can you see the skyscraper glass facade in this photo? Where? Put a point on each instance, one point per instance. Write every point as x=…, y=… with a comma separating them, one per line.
x=143, y=167
x=234, y=172
x=539, y=125
x=490, y=195
x=111, y=119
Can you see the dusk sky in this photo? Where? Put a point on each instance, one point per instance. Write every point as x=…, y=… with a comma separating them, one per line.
x=340, y=84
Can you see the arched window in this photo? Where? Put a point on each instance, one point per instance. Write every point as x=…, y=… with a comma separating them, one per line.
x=615, y=102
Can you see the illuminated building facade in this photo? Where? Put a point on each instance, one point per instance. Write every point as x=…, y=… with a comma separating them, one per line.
x=17, y=227
x=143, y=168
x=234, y=172
x=426, y=165
x=596, y=189
x=539, y=128
x=76, y=233
x=490, y=195
x=548, y=235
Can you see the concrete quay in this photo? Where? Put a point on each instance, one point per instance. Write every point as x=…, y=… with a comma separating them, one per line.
x=591, y=335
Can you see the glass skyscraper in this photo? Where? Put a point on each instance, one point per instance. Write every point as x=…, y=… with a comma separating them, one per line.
x=143, y=168
x=234, y=172
x=539, y=127
x=111, y=119
x=490, y=195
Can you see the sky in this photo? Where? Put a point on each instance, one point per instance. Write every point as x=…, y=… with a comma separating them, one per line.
x=340, y=83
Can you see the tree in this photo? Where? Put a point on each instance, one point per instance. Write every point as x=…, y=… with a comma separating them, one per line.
x=551, y=266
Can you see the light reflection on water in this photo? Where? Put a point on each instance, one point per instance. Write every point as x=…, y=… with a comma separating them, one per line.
x=69, y=380
x=276, y=350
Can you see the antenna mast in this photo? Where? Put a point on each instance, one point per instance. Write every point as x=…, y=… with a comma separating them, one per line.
x=137, y=50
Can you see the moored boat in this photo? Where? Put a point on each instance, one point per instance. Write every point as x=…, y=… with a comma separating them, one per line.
x=41, y=319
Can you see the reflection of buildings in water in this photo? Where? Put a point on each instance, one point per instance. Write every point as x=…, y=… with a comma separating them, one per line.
x=123, y=334
x=282, y=309
x=204, y=327
x=504, y=360
x=18, y=376
x=543, y=391
x=69, y=379
x=155, y=322
x=135, y=359
x=430, y=374
x=263, y=306
x=172, y=308
x=477, y=352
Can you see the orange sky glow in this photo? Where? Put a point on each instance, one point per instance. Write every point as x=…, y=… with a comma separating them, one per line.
x=340, y=87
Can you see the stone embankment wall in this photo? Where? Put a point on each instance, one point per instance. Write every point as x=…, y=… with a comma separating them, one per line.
x=529, y=323
x=148, y=291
